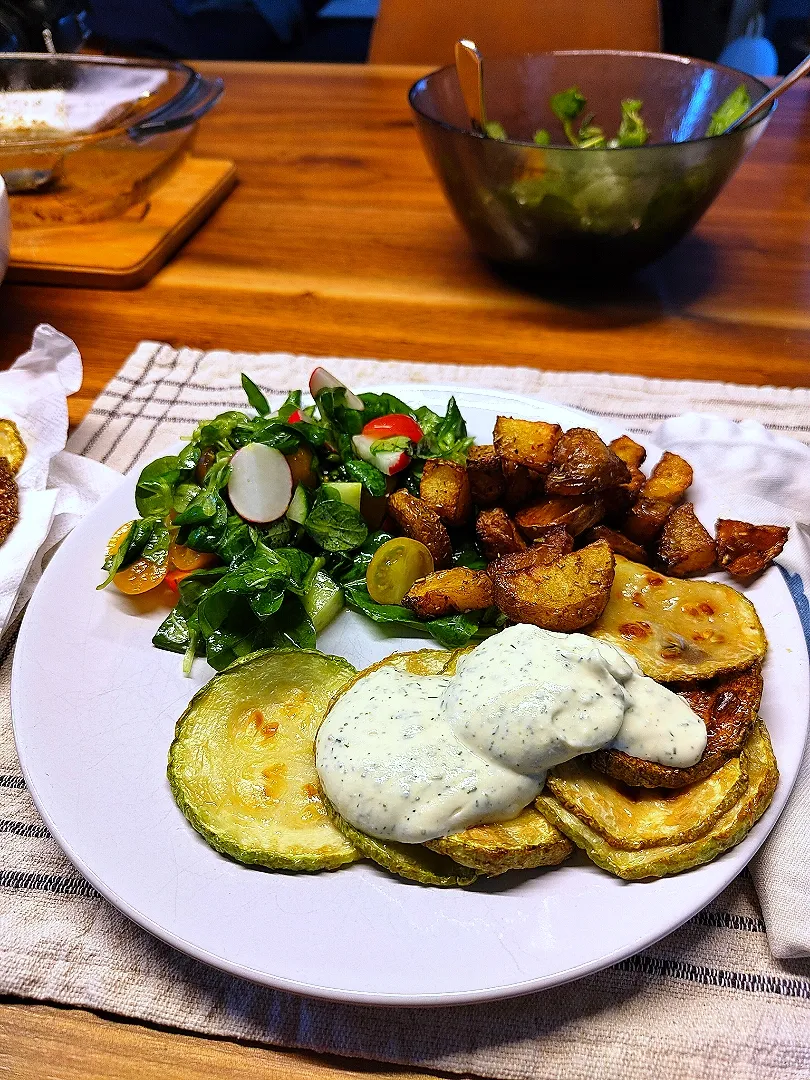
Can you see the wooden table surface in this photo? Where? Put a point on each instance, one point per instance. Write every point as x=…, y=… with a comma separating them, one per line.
x=338, y=241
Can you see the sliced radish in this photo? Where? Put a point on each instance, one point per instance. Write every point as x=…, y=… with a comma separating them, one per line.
x=300, y=417
x=260, y=486
x=320, y=379
x=388, y=462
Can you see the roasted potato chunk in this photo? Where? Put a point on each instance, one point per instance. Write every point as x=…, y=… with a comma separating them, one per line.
x=744, y=549
x=631, y=452
x=684, y=546
x=758, y=764
x=573, y=511
x=554, y=541
x=680, y=630
x=526, y=442
x=564, y=595
x=584, y=465
x=421, y=522
x=487, y=483
x=728, y=706
x=497, y=534
x=523, y=843
x=669, y=479
x=619, y=543
x=448, y=592
x=645, y=520
x=521, y=485
x=446, y=487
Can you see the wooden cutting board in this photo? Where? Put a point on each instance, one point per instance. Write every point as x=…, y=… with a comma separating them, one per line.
x=126, y=251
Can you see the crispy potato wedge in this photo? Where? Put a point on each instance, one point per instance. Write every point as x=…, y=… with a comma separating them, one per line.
x=584, y=465
x=487, y=484
x=421, y=522
x=728, y=706
x=449, y=591
x=445, y=486
x=564, y=595
x=12, y=447
x=759, y=765
x=645, y=519
x=497, y=534
x=684, y=546
x=635, y=818
x=744, y=549
x=521, y=485
x=619, y=543
x=523, y=843
x=680, y=630
x=575, y=512
x=9, y=500
x=632, y=453
x=670, y=478
x=554, y=542
x=526, y=442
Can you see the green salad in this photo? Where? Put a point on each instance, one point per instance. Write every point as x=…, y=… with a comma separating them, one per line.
x=264, y=525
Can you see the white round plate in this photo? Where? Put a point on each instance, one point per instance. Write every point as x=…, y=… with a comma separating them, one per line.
x=94, y=707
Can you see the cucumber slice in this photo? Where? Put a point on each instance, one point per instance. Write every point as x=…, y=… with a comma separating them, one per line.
x=299, y=505
x=323, y=600
x=242, y=766
x=349, y=492
x=411, y=861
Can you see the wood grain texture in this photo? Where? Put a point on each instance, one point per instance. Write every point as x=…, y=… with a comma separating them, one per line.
x=338, y=241
x=125, y=251
x=39, y=1042
x=421, y=32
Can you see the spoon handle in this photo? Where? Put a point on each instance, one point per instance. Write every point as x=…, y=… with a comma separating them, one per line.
x=468, y=67
x=766, y=100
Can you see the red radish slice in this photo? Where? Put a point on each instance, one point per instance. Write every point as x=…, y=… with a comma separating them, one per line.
x=260, y=486
x=388, y=462
x=388, y=427
x=320, y=379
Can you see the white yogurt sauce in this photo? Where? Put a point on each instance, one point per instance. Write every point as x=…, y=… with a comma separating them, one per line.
x=410, y=758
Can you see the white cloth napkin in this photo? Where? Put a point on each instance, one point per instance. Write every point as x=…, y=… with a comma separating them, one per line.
x=56, y=488
x=763, y=477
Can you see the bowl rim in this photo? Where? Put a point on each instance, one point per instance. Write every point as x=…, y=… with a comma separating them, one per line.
x=78, y=138
x=668, y=57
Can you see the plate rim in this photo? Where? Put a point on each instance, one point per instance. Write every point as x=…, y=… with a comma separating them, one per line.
x=357, y=997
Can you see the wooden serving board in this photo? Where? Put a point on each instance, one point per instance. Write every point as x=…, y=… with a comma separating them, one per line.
x=124, y=252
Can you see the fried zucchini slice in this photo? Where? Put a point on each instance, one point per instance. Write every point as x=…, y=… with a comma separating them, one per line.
x=619, y=543
x=759, y=765
x=684, y=546
x=635, y=818
x=12, y=447
x=421, y=522
x=728, y=706
x=449, y=591
x=497, y=534
x=565, y=595
x=487, y=483
x=415, y=862
x=584, y=465
x=744, y=549
x=242, y=766
x=573, y=511
x=526, y=442
x=445, y=487
x=680, y=630
x=525, y=842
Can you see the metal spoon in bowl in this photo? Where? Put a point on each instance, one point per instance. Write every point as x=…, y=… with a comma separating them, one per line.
x=468, y=68
x=765, y=101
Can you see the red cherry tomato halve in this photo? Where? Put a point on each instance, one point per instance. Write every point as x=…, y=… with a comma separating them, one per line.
x=389, y=427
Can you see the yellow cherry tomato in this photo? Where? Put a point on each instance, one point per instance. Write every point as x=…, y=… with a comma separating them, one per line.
x=396, y=565
x=140, y=576
x=186, y=558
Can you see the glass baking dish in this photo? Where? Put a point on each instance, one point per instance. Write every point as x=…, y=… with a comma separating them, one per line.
x=84, y=138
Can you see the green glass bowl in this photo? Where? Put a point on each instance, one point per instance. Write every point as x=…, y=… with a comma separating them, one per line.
x=583, y=213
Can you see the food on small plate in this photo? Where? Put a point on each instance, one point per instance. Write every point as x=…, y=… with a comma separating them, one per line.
x=241, y=766
x=566, y=594
x=757, y=763
x=680, y=630
x=12, y=447
x=9, y=500
x=728, y=706
x=744, y=549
